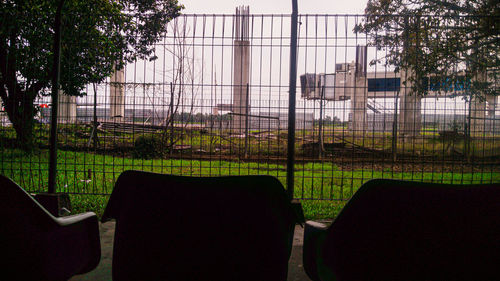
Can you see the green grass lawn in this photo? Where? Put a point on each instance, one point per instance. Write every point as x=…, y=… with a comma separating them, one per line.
x=89, y=178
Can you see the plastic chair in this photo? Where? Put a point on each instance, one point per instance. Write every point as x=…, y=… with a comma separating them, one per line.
x=400, y=230
x=199, y=228
x=38, y=246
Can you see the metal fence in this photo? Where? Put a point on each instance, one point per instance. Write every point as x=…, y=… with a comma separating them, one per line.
x=215, y=102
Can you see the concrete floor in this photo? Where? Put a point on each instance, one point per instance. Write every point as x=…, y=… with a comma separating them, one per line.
x=107, y=230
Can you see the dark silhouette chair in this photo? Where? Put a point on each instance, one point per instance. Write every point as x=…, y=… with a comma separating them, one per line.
x=34, y=245
x=191, y=228
x=399, y=230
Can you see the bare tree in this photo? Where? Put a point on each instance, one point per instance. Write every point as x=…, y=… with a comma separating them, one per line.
x=183, y=75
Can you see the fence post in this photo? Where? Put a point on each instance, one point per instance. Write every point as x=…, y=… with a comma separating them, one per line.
x=291, y=101
x=58, y=204
x=55, y=94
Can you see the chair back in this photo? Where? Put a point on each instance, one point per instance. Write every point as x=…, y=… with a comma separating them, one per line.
x=200, y=228
x=400, y=230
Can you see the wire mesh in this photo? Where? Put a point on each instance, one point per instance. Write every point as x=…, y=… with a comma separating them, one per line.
x=214, y=102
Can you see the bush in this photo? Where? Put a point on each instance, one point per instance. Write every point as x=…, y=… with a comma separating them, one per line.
x=149, y=146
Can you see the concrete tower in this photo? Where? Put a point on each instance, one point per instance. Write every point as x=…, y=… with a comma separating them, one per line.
x=241, y=70
x=410, y=104
x=117, y=95
x=359, y=97
x=66, y=108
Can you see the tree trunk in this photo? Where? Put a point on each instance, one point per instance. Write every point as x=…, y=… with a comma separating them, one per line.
x=21, y=113
x=24, y=133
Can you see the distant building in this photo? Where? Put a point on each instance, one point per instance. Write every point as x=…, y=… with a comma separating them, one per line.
x=349, y=83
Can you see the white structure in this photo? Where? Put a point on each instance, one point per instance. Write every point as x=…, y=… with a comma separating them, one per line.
x=241, y=70
x=66, y=108
x=315, y=86
x=117, y=95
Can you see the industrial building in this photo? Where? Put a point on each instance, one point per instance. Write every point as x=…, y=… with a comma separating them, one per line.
x=352, y=82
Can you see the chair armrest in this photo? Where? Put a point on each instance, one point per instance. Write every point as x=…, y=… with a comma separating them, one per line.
x=314, y=236
x=78, y=218
x=78, y=242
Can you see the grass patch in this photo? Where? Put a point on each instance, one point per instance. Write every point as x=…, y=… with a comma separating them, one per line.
x=89, y=178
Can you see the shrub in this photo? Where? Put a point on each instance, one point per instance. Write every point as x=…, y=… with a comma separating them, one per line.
x=149, y=146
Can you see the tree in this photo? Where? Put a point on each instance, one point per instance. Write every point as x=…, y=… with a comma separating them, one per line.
x=97, y=35
x=455, y=42
x=183, y=74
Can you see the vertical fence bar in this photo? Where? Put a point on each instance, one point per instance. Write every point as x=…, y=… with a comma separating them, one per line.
x=246, y=121
x=55, y=89
x=291, y=101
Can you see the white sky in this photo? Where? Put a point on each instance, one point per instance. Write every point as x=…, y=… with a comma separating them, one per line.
x=274, y=6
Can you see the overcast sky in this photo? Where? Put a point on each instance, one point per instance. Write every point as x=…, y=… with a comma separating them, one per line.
x=274, y=6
